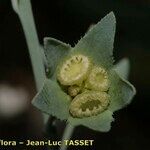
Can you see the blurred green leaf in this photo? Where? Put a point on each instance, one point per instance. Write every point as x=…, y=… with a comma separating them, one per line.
x=123, y=68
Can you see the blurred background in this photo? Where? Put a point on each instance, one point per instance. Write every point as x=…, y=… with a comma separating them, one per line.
x=68, y=20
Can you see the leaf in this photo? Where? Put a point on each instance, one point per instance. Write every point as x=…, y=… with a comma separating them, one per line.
x=98, y=42
x=52, y=100
x=101, y=122
x=123, y=68
x=121, y=92
x=54, y=51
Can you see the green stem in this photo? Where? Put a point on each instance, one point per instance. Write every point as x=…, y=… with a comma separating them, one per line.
x=67, y=135
x=24, y=11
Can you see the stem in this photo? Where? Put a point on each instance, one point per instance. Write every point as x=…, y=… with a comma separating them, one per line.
x=67, y=135
x=24, y=11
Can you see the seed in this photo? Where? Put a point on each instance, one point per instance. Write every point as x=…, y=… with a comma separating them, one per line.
x=89, y=104
x=74, y=90
x=74, y=70
x=98, y=79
